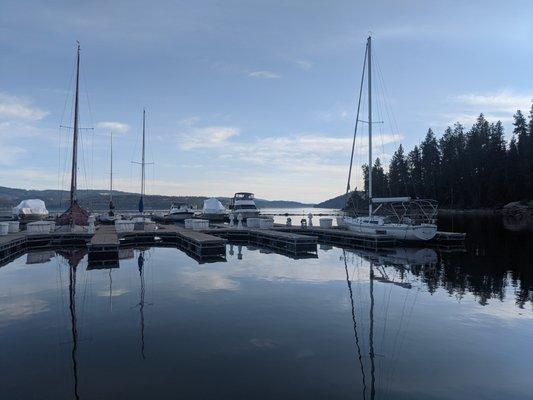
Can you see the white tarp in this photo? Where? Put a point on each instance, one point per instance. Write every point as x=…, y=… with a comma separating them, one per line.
x=31, y=206
x=213, y=206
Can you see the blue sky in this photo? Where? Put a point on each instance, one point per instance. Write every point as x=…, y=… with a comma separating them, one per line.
x=246, y=95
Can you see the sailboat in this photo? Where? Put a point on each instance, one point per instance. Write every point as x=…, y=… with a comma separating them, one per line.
x=110, y=217
x=143, y=222
x=401, y=223
x=75, y=215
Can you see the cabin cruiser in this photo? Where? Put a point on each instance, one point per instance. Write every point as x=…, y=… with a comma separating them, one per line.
x=30, y=210
x=243, y=203
x=213, y=210
x=179, y=212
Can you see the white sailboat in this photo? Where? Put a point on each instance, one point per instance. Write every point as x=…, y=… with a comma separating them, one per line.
x=399, y=224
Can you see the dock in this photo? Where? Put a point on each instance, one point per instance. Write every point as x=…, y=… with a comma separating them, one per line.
x=105, y=244
x=288, y=243
x=103, y=247
x=341, y=237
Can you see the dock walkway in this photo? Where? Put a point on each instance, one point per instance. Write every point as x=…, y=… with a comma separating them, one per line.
x=340, y=237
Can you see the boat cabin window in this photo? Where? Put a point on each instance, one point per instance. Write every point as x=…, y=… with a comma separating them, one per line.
x=244, y=196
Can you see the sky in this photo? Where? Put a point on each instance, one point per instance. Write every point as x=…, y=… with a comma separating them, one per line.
x=248, y=95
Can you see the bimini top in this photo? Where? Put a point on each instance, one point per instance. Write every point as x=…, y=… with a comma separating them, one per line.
x=390, y=199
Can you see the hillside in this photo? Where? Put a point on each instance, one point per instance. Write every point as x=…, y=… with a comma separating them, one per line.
x=57, y=200
x=340, y=201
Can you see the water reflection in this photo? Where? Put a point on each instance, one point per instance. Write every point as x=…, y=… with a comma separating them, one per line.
x=73, y=258
x=140, y=266
x=348, y=324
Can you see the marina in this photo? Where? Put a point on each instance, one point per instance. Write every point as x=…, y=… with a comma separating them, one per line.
x=105, y=243
x=266, y=201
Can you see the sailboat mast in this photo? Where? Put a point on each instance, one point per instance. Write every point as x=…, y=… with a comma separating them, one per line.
x=74, y=172
x=143, y=162
x=111, y=171
x=370, y=163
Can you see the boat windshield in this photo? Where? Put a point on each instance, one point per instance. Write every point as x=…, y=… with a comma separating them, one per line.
x=244, y=196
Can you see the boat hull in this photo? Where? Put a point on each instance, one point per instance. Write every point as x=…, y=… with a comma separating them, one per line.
x=178, y=216
x=418, y=233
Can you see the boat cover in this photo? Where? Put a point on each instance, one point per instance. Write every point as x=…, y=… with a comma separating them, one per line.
x=213, y=206
x=31, y=206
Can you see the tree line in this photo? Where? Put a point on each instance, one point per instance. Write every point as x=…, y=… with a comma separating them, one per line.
x=463, y=169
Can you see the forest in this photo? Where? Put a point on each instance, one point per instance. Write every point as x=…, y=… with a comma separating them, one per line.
x=475, y=168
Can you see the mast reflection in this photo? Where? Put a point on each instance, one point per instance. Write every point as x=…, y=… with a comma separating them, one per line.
x=356, y=335
x=140, y=265
x=73, y=258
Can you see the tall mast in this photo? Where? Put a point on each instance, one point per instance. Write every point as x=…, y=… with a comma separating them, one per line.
x=111, y=171
x=370, y=163
x=74, y=172
x=142, y=162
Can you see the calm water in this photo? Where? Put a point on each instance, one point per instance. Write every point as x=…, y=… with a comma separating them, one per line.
x=401, y=324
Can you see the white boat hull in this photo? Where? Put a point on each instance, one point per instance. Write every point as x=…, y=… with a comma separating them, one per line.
x=179, y=216
x=421, y=232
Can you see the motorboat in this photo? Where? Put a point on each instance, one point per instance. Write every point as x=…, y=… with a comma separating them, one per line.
x=243, y=203
x=179, y=212
x=398, y=217
x=214, y=210
x=30, y=210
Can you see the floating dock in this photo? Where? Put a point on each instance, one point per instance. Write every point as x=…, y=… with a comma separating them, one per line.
x=288, y=243
x=105, y=244
x=341, y=237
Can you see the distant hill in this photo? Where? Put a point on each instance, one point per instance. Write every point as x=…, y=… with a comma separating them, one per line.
x=57, y=200
x=336, y=202
x=340, y=201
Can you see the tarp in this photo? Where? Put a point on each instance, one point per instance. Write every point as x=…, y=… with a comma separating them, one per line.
x=31, y=206
x=213, y=206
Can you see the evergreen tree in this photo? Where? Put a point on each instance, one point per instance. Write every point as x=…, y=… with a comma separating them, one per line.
x=513, y=178
x=414, y=167
x=379, y=180
x=430, y=164
x=477, y=144
x=477, y=168
x=496, y=166
x=452, y=149
x=398, y=174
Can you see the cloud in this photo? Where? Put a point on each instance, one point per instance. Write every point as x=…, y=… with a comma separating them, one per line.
x=115, y=127
x=16, y=107
x=503, y=101
x=10, y=154
x=264, y=74
x=304, y=64
x=207, y=137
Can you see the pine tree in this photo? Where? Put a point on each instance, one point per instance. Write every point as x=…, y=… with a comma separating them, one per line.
x=398, y=174
x=513, y=178
x=430, y=164
x=414, y=167
x=451, y=147
x=496, y=165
